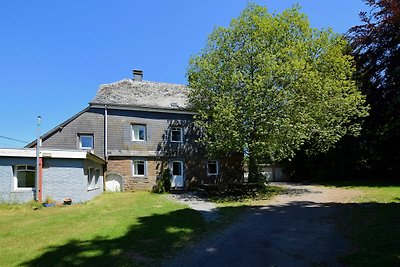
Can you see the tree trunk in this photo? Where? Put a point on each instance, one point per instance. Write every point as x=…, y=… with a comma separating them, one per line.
x=254, y=172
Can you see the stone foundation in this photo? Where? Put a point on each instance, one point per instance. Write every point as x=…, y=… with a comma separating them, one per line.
x=195, y=170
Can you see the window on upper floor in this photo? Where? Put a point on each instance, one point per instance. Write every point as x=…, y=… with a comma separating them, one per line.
x=24, y=176
x=177, y=134
x=212, y=167
x=86, y=141
x=138, y=132
x=139, y=168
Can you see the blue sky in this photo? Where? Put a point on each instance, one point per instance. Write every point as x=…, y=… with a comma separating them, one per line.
x=55, y=54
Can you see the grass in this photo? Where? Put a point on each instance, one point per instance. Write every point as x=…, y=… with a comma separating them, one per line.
x=126, y=229
x=115, y=229
x=372, y=224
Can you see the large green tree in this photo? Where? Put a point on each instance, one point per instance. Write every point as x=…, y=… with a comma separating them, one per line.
x=267, y=84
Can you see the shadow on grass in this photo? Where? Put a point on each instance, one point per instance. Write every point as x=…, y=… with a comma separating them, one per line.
x=377, y=183
x=241, y=194
x=144, y=242
x=373, y=230
x=372, y=227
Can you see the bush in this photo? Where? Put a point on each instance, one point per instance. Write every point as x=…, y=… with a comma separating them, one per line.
x=163, y=182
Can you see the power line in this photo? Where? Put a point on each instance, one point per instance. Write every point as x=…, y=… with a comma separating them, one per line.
x=12, y=139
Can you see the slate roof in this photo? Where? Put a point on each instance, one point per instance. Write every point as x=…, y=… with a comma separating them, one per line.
x=144, y=94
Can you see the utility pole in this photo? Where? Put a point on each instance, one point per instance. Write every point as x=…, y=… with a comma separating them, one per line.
x=38, y=164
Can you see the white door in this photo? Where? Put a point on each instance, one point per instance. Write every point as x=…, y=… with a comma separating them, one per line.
x=177, y=174
x=114, y=183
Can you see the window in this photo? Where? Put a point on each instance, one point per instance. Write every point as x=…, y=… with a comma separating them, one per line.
x=90, y=184
x=24, y=176
x=177, y=134
x=212, y=167
x=86, y=141
x=139, y=168
x=138, y=132
x=177, y=168
x=96, y=178
x=93, y=178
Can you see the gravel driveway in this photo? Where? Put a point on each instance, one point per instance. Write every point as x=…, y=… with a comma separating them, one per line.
x=294, y=229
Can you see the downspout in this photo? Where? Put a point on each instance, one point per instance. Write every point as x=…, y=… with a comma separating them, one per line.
x=40, y=199
x=105, y=133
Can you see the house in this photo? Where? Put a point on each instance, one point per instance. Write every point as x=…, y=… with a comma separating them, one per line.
x=141, y=128
x=74, y=174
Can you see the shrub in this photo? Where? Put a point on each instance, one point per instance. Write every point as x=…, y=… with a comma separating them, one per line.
x=163, y=182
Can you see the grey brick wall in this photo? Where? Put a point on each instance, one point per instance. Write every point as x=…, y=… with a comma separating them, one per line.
x=67, y=178
x=62, y=178
x=7, y=192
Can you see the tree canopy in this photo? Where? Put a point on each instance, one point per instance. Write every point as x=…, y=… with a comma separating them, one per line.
x=376, y=47
x=269, y=83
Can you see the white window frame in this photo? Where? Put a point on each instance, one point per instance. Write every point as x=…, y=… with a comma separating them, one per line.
x=80, y=141
x=138, y=127
x=16, y=176
x=96, y=178
x=217, y=167
x=180, y=132
x=91, y=179
x=136, y=161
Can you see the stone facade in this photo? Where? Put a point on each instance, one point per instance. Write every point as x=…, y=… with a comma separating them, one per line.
x=123, y=167
x=195, y=171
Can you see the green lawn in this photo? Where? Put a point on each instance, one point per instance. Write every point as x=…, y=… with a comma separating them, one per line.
x=373, y=225
x=115, y=229
x=123, y=229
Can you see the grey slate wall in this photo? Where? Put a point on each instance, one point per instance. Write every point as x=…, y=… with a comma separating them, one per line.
x=120, y=123
x=158, y=134
x=90, y=122
x=7, y=192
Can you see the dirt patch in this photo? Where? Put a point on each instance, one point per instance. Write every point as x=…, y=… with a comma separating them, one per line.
x=296, y=228
x=315, y=193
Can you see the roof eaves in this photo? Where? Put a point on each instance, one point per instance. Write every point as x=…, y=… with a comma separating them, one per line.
x=55, y=129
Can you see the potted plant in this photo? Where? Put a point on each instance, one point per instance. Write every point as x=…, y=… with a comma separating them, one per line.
x=49, y=202
x=67, y=201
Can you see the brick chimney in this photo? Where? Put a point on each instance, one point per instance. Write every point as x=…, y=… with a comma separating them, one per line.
x=137, y=75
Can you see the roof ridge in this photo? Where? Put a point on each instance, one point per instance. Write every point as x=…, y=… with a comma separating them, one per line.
x=143, y=82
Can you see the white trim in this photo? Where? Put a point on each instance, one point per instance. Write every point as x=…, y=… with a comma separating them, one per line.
x=182, y=170
x=139, y=125
x=127, y=107
x=94, y=183
x=80, y=141
x=217, y=167
x=49, y=153
x=180, y=131
x=145, y=168
x=90, y=178
x=15, y=178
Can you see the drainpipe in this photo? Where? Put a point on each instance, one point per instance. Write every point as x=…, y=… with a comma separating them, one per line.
x=38, y=180
x=105, y=133
x=40, y=199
